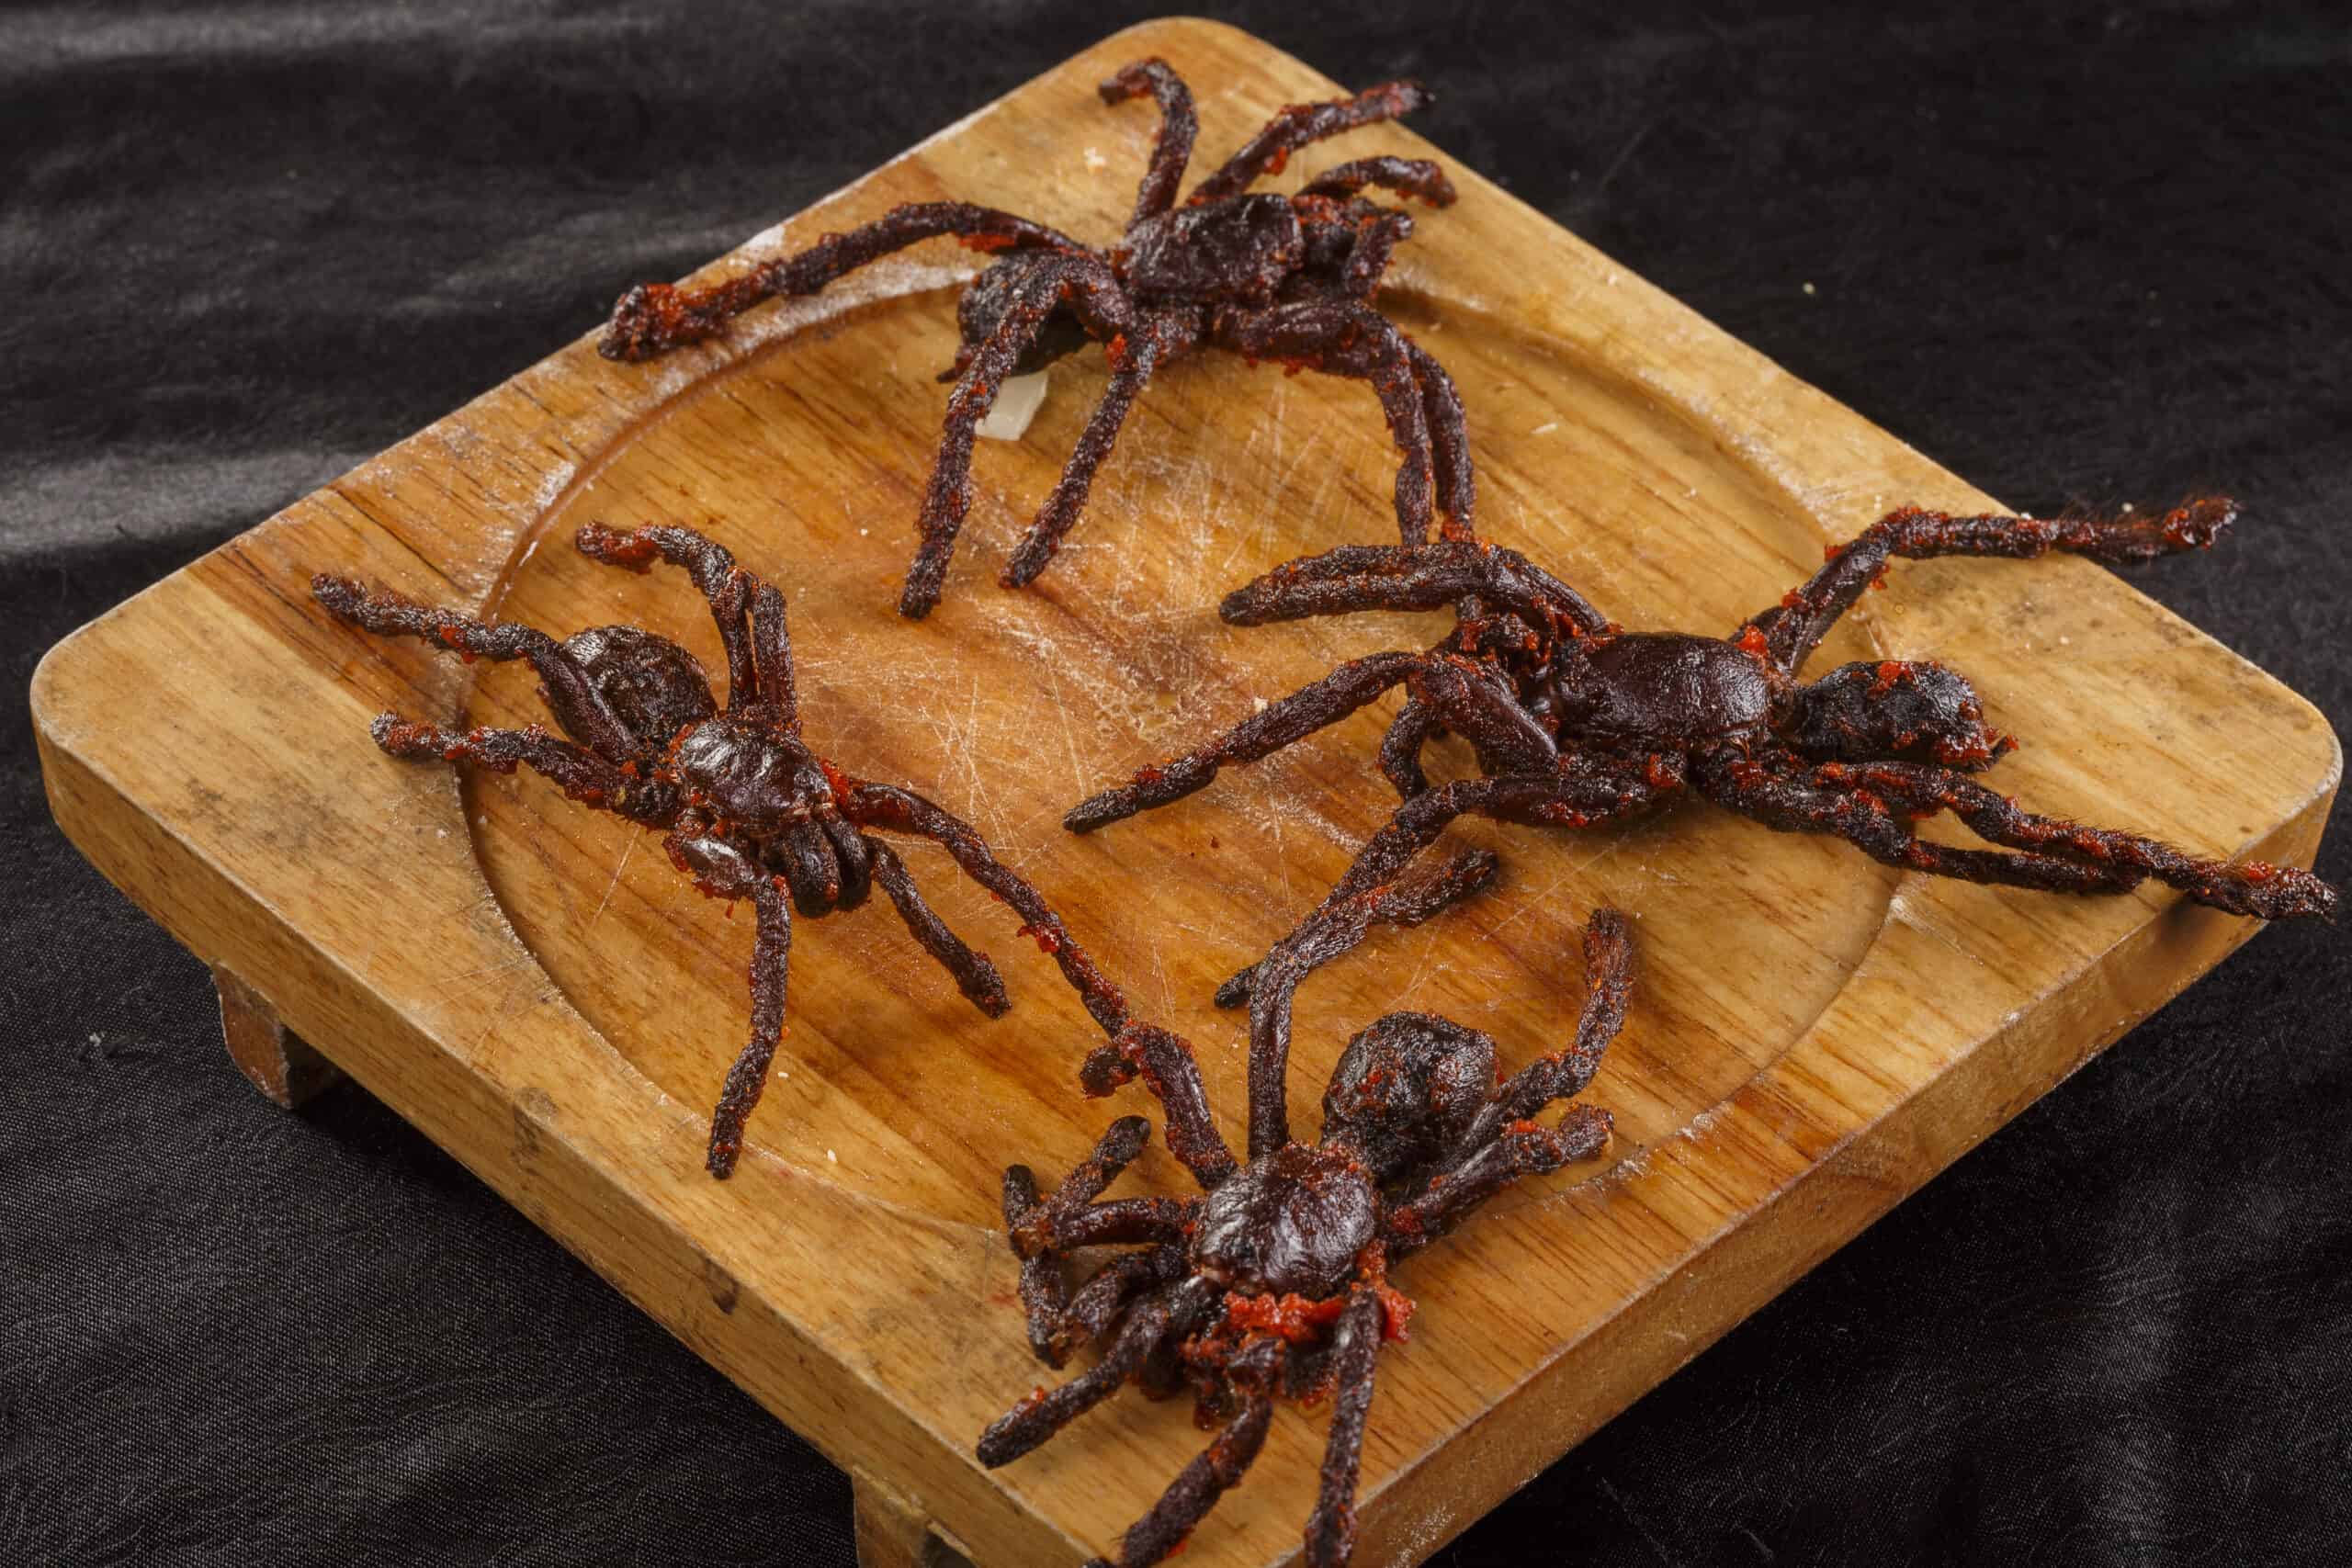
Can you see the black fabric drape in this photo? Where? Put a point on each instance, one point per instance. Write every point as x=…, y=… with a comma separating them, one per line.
x=2078, y=252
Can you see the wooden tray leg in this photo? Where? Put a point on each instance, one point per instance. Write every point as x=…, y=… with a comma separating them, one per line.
x=892, y=1532
x=265, y=1050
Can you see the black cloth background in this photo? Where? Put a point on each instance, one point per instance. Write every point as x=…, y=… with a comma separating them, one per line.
x=2087, y=254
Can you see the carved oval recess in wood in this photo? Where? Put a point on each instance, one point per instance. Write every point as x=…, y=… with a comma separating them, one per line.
x=808, y=459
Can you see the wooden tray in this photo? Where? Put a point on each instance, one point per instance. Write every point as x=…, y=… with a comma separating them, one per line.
x=1813, y=1037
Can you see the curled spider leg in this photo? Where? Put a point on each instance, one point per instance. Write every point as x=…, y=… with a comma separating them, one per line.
x=1082, y=283
x=1355, y=1349
x=974, y=975
x=1171, y=146
x=654, y=318
x=1165, y=1064
x=573, y=696
x=714, y=573
x=1400, y=749
x=1134, y=359
x=1305, y=711
x=2253, y=888
x=1039, y=1416
x=724, y=871
x=1407, y=176
x=1350, y=340
x=1563, y=1075
x=1217, y=1470
x=1331, y=931
x=1301, y=124
x=898, y=810
x=1793, y=627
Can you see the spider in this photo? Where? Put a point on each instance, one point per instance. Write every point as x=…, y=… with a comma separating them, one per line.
x=1575, y=722
x=1266, y=276
x=1274, y=1283
x=747, y=809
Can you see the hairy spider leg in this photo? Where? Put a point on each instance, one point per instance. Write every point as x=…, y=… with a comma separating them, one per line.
x=1346, y=339
x=1168, y=1069
x=976, y=977
x=388, y=615
x=724, y=871
x=582, y=775
x=1212, y=1473
x=1563, y=1075
x=1795, y=626
x=1424, y=577
x=1298, y=125
x=1087, y=286
x=1407, y=176
x=654, y=318
x=1162, y=337
x=1171, y=145
x=1355, y=1351
x=1400, y=749
x=1457, y=484
x=1311, y=707
x=1523, y=1149
x=1580, y=792
x=1859, y=803
x=1330, y=932
x=898, y=810
x=1038, y=1417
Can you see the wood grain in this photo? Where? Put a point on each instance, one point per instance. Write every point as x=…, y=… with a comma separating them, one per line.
x=1813, y=1036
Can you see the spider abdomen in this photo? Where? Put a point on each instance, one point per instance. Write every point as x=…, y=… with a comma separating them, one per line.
x=654, y=687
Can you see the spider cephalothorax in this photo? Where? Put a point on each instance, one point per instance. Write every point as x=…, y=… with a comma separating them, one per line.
x=747, y=809
x=1287, y=278
x=1575, y=722
x=1274, y=1283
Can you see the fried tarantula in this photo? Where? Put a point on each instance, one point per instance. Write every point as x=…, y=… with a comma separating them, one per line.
x=1577, y=723
x=746, y=807
x=1285, y=279
x=1274, y=1285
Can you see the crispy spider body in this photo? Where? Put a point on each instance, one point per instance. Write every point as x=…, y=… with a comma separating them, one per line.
x=745, y=806
x=1269, y=277
x=1273, y=1284
x=1577, y=723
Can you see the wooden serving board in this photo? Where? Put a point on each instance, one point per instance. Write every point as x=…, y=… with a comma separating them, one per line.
x=1813, y=1036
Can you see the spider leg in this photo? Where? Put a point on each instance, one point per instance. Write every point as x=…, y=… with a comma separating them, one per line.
x=722, y=871
x=1457, y=484
x=1578, y=793
x=1793, y=627
x=571, y=694
x=654, y=318
x=1172, y=147
x=1607, y=977
x=1342, y=338
x=1471, y=701
x=1214, y=1471
x=714, y=572
x=1330, y=932
x=1083, y=282
x=974, y=975
x=1400, y=749
x=581, y=775
x=1133, y=361
x=1039, y=1416
x=1523, y=1149
x=2254, y=887
x=1846, y=803
x=1301, y=124
x=1405, y=176
x=1305, y=711
x=1392, y=577
x=1165, y=1064
x=1355, y=1349
x=887, y=807
x=1094, y=1305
